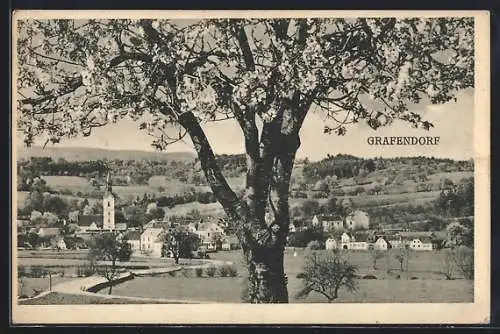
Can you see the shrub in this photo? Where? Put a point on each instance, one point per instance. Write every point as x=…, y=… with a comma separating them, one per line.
x=199, y=272
x=172, y=273
x=211, y=271
x=369, y=277
x=186, y=272
x=314, y=245
x=224, y=271
x=233, y=272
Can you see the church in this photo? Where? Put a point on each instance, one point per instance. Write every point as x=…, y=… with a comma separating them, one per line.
x=106, y=221
x=108, y=206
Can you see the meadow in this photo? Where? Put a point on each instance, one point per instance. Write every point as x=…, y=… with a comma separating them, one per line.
x=422, y=283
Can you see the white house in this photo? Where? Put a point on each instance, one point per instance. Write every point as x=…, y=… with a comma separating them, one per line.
x=345, y=240
x=315, y=221
x=151, y=242
x=422, y=243
x=331, y=243
x=382, y=244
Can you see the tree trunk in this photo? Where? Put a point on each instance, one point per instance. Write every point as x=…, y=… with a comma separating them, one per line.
x=110, y=287
x=267, y=282
x=262, y=242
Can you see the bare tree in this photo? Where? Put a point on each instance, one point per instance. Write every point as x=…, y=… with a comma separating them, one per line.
x=376, y=255
x=448, y=264
x=326, y=275
x=403, y=258
x=464, y=260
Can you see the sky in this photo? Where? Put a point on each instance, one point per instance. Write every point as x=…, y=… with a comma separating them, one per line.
x=453, y=123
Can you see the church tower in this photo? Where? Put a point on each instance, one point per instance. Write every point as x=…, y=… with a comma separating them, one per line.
x=108, y=206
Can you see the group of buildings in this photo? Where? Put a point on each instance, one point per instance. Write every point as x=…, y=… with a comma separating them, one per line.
x=420, y=241
x=354, y=234
x=148, y=240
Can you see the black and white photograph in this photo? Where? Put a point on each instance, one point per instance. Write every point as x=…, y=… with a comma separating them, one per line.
x=336, y=161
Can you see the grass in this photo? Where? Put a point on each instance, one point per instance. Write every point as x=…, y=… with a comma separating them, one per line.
x=430, y=286
x=56, y=298
x=41, y=284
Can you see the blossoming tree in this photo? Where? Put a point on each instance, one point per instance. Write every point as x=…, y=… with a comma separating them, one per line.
x=265, y=74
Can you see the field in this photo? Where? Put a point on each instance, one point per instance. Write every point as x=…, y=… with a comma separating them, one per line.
x=207, y=209
x=423, y=282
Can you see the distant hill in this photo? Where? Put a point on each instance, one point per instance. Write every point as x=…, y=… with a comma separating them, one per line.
x=88, y=153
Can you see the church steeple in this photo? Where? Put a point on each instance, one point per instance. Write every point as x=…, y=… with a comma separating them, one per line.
x=109, y=205
x=109, y=184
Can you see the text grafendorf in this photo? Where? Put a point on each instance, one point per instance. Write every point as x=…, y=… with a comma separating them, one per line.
x=403, y=140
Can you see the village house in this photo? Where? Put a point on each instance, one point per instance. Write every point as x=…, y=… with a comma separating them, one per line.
x=422, y=243
x=230, y=242
x=398, y=242
x=359, y=242
x=328, y=222
x=151, y=242
x=382, y=244
x=331, y=243
x=89, y=223
x=345, y=240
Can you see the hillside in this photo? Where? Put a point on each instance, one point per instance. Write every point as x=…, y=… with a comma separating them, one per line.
x=88, y=153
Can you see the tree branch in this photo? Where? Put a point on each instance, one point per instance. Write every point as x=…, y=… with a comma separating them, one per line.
x=242, y=38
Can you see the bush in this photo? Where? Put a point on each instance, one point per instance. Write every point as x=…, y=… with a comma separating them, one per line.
x=369, y=277
x=224, y=271
x=199, y=272
x=233, y=272
x=186, y=272
x=172, y=273
x=314, y=245
x=211, y=271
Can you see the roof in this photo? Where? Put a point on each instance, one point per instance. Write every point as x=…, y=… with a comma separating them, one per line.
x=87, y=220
x=133, y=235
